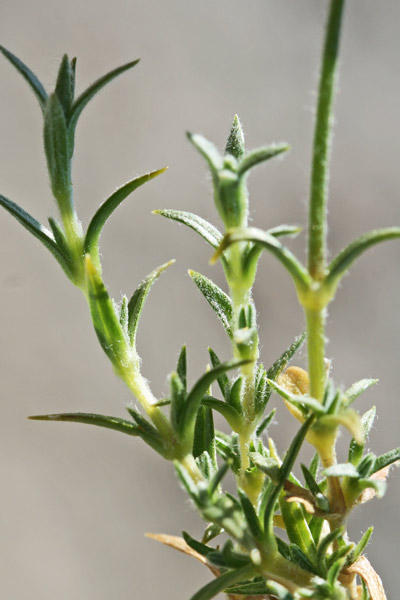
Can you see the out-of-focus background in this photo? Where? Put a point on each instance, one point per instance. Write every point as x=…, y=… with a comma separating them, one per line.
x=75, y=502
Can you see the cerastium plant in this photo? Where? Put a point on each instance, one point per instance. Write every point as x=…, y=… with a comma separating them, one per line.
x=286, y=538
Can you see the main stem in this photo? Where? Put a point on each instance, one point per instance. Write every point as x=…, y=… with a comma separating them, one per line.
x=316, y=317
x=318, y=196
x=322, y=144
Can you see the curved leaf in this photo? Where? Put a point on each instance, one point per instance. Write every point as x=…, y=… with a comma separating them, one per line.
x=92, y=90
x=207, y=231
x=358, y=388
x=227, y=411
x=92, y=419
x=259, y=155
x=348, y=255
x=138, y=299
x=208, y=151
x=27, y=74
x=224, y=581
x=37, y=229
x=269, y=242
x=107, y=208
x=217, y=299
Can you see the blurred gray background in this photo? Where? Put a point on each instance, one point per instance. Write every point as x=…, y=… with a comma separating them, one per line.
x=75, y=502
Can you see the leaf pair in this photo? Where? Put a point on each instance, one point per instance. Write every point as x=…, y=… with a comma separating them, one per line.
x=310, y=296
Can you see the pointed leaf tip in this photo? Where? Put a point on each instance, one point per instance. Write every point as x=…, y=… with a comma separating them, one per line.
x=136, y=303
x=235, y=143
x=108, y=207
x=28, y=75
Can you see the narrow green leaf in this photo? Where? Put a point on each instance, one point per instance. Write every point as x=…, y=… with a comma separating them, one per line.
x=386, y=459
x=256, y=587
x=228, y=412
x=234, y=559
x=121, y=425
x=359, y=549
x=73, y=76
x=356, y=449
x=217, y=299
x=358, y=388
x=27, y=74
x=301, y=559
x=310, y=481
x=333, y=573
x=177, y=400
x=223, y=379
x=281, y=363
x=64, y=86
x=251, y=515
x=207, y=231
x=208, y=151
x=265, y=422
x=221, y=583
x=235, y=143
x=316, y=524
x=234, y=395
x=138, y=299
x=366, y=465
x=57, y=154
x=59, y=237
x=144, y=426
x=181, y=367
x=270, y=243
x=285, y=471
x=307, y=401
x=204, y=434
x=211, y=532
x=123, y=315
x=107, y=208
x=105, y=319
x=348, y=255
x=284, y=230
x=297, y=528
x=323, y=547
x=200, y=547
x=92, y=90
x=259, y=155
x=199, y=390
x=217, y=478
x=37, y=229
x=314, y=465
x=187, y=482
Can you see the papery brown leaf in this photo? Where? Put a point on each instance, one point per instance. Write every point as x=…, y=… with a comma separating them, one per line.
x=370, y=493
x=301, y=495
x=363, y=568
x=179, y=544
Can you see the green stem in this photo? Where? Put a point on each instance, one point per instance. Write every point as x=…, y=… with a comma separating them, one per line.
x=322, y=144
x=316, y=351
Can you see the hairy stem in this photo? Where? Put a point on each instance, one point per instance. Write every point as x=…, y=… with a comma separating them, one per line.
x=322, y=144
